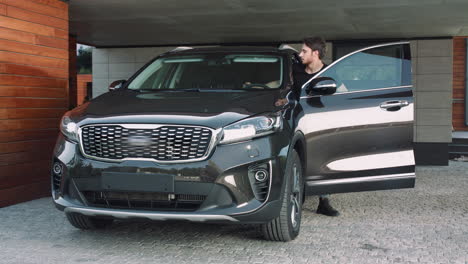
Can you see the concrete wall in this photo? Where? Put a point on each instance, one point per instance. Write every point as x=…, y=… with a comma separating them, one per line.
x=119, y=63
x=432, y=81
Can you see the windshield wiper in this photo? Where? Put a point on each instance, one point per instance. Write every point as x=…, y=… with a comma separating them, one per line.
x=144, y=90
x=158, y=90
x=210, y=90
x=189, y=90
x=206, y=90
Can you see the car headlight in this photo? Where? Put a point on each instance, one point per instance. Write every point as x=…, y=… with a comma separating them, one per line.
x=250, y=128
x=69, y=128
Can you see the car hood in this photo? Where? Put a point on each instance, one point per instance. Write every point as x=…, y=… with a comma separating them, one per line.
x=211, y=109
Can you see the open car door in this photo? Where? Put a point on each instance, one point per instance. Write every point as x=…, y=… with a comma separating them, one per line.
x=360, y=138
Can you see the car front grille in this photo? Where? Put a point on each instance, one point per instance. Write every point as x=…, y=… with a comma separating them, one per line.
x=144, y=201
x=162, y=143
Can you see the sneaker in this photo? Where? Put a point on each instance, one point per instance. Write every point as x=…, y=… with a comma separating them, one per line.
x=325, y=208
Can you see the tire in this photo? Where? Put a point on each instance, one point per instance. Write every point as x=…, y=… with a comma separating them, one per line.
x=287, y=225
x=87, y=222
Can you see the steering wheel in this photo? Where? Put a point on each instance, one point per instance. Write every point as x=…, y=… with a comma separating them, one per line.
x=255, y=86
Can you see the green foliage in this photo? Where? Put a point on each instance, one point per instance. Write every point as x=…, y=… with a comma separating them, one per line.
x=84, y=60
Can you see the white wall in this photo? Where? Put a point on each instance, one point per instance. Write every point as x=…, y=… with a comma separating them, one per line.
x=119, y=63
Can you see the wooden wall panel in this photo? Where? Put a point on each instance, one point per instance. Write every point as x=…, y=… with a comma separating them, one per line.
x=29, y=124
x=3, y=9
x=32, y=81
x=36, y=18
x=11, y=34
x=459, y=82
x=45, y=9
x=27, y=59
x=24, y=192
x=22, y=113
x=51, y=42
x=73, y=72
x=25, y=157
x=83, y=80
x=25, y=135
x=31, y=27
x=34, y=76
x=33, y=71
x=30, y=38
x=11, y=175
x=29, y=146
x=21, y=91
x=18, y=47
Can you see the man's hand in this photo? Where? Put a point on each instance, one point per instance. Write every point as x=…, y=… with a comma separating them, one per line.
x=281, y=102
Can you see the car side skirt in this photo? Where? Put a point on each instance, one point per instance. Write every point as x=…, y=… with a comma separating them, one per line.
x=361, y=184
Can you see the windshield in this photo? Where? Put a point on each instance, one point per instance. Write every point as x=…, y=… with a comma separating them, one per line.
x=211, y=71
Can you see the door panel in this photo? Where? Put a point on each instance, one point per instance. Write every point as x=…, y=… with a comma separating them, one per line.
x=361, y=137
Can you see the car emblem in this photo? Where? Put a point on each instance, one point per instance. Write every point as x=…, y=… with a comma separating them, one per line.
x=139, y=141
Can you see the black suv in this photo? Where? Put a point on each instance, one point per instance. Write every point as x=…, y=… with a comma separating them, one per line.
x=218, y=135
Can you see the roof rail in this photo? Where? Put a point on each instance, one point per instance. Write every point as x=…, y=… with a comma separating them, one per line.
x=181, y=49
x=286, y=47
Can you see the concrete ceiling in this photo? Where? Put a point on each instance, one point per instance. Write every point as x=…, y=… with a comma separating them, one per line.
x=176, y=22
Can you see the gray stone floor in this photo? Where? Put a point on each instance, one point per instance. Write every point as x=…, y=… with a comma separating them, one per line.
x=428, y=224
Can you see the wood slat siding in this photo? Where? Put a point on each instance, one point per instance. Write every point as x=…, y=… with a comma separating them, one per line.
x=37, y=18
x=18, y=47
x=73, y=72
x=14, y=176
x=38, y=7
x=27, y=156
x=82, y=81
x=25, y=135
x=32, y=60
x=25, y=192
x=459, y=82
x=20, y=91
x=34, y=74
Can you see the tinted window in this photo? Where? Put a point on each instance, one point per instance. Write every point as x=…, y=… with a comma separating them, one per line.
x=370, y=69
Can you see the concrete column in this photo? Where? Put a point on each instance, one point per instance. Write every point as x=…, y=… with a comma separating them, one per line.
x=432, y=82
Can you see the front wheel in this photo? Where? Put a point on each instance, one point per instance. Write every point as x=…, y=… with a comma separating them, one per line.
x=287, y=225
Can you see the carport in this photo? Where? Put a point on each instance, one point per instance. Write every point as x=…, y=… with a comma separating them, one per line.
x=37, y=40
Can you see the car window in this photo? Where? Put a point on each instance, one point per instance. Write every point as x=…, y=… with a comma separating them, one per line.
x=212, y=71
x=369, y=69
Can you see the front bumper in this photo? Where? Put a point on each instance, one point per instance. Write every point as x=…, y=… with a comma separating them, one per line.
x=223, y=179
x=69, y=207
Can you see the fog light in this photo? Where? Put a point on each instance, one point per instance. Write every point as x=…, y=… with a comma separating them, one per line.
x=261, y=175
x=57, y=168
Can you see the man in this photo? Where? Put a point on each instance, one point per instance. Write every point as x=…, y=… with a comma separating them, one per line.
x=311, y=55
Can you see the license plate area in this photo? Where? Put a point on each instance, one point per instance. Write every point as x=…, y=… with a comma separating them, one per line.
x=138, y=182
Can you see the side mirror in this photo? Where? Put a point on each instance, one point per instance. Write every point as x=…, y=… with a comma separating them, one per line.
x=116, y=85
x=321, y=86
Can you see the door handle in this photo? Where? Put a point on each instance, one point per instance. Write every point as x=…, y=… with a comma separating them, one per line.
x=393, y=105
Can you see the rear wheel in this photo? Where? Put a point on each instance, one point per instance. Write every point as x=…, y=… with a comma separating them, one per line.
x=287, y=225
x=87, y=222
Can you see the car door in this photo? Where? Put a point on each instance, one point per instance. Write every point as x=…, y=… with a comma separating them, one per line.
x=361, y=137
